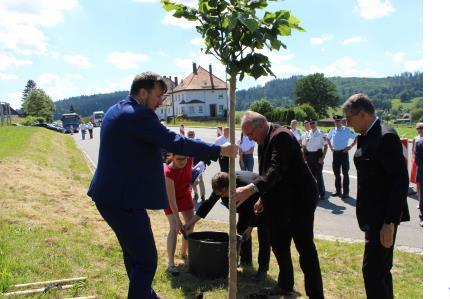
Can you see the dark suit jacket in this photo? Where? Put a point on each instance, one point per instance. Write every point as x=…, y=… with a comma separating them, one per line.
x=382, y=178
x=243, y=178
x=130, y=168
x=418, y=159
x=285, y=182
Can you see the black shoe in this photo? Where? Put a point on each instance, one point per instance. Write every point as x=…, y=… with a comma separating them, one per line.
x=344, y=196
x=202, y=198
x=336, y=194
x=259, y=276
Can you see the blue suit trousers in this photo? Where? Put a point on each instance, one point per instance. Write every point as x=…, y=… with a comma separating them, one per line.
x=134, y=233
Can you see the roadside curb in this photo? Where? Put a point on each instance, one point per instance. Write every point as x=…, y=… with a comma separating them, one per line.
x=90, y=163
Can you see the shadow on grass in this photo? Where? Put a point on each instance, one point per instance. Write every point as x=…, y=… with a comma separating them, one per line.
x=196, y=287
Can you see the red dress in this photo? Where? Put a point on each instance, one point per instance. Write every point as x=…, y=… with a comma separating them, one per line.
x=182, y=177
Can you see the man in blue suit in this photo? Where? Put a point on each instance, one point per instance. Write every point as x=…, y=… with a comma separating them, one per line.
x=129, y=178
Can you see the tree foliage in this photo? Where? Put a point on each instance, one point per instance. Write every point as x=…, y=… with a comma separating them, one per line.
x=28, y=88
x=263, y=107
x=39, y=104
x=281, y=92
x=317, y=91
x=235, y=34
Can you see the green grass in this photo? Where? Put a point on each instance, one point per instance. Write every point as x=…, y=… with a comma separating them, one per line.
x=49, y=229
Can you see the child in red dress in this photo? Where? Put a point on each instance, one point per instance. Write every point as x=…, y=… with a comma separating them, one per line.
x=178, y=175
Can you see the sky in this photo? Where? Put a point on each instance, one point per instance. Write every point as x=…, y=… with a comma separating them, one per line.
x=82, y=47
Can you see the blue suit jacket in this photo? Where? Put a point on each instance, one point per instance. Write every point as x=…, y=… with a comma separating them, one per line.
x=130, y=168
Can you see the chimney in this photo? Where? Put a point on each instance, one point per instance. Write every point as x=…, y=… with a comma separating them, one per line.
x=194, y=68
x=176, y=81
x=211, y=76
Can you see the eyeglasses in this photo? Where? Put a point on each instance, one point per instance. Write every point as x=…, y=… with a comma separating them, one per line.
x=419, y=128
x=249, y=134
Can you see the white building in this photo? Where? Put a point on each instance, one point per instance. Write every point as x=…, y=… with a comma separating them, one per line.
x=199, y=95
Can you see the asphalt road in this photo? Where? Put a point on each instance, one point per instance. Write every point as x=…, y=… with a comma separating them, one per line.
x=334, y=218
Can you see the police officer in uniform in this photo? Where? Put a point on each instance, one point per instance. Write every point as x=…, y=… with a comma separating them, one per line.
x=338, y=139
x=316, y=150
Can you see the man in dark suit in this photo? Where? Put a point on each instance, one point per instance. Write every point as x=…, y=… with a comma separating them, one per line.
x=289, y=197
x=382, y=190
x=129, y=176
x=247, y=219
x=418, y=159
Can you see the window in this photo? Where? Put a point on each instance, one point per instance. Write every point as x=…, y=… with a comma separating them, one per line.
x=182, y=110
x=191, y=110
x=220, y=96
x=200, y=109
x=220, y=108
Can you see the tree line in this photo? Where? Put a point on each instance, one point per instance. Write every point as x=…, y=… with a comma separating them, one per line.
x=299, y=96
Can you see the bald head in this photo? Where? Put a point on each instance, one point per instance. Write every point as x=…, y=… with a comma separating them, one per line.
x=255, y=126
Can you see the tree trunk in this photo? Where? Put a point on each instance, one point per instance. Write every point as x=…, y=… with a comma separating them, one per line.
x=232, y=276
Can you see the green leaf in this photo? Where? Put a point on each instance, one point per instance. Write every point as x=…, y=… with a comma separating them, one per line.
x=284, y=30
x=276, y=44
x=168, y=6
x=293, y=21
x=269, y=17
x=251, y=24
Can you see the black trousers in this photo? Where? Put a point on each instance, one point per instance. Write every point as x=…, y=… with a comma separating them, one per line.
x=135, y=236
x=377, y=265
x=341, y=161
x=301, y=230
x=224, y=163
x=263, y=242
x=312, y=158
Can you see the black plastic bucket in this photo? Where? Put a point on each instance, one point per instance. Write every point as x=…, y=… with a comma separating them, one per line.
x=208, y=254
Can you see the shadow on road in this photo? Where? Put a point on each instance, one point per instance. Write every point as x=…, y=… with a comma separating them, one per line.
x=327, y=204
x=350, y=200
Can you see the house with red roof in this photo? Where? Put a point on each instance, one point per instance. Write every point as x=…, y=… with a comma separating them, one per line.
x=200, y=95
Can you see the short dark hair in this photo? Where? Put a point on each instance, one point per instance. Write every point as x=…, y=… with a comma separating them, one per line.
x=219, y=181
x=357, y=103
x=147, y=80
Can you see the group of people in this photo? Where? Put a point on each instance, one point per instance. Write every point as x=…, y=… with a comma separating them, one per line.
x=280, y=199
x=89, y=127
x=315, y=144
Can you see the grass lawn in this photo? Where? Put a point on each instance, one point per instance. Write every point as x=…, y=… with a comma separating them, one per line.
x=49, y=229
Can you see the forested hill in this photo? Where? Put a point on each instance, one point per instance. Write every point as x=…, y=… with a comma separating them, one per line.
x=281, y=92
x=85, y=105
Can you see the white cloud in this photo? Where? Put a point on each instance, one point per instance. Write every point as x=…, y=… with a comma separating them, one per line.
x=373, y=9
x=127, y=60
x=353, y=40
x=73, y=76
x=21, y=22
x=81, y=62
x=413, y=65
x=55, y=86
x=162, y=53
x=202, y=59
x=8, y=60
x=197, y=41
x=8, y=76
x=178, y=22
x=15, y=99
x=315, y=41
x=110, y=86
x=398, y=57
x=344, y=67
